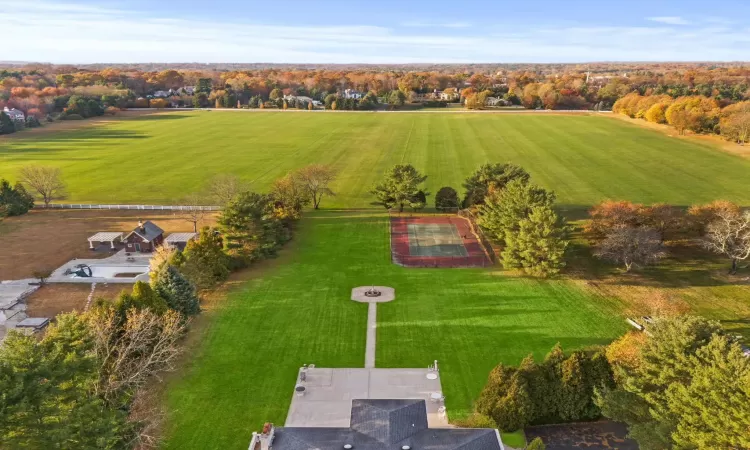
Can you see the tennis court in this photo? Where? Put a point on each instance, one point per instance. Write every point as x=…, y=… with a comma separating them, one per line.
x=436, y=241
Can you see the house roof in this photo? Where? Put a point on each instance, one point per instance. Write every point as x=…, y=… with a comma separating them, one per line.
x=180, y=237
x=105, y=236
x=387, y=425
x=149, y=231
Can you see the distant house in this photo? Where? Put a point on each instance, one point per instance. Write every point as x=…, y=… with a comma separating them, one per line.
x=298, y=98
x=161, y=94
x=496, y=101
x=189, y=90
x=14, y=114
x=144, y=238
x=448, y=96
x=351, y=93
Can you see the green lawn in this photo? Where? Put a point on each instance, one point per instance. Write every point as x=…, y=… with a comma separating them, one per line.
x=298, y=311
x=161, y=158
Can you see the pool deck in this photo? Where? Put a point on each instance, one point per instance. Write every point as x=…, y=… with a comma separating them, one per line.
x=130, y=264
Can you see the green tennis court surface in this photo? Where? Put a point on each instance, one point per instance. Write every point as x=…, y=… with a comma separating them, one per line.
x=435, y=239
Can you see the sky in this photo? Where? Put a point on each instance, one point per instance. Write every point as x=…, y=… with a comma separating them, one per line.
x=375, y=32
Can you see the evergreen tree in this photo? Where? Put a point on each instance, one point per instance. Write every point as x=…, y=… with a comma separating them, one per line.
x=14, y=201
x=6, y=124
x=714, y=406
x=667, y=364
x=446, y=199
x=46, y=392
x=514, y=410
x=504, y=209
x=496, y=387
x=177, y=291
x=539, y=244
x=490, y=178
x=250, y=228
x=399, y=187
x=206, y=263
x=575, y=393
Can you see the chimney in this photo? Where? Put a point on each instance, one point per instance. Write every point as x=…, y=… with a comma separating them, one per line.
x=140, y=225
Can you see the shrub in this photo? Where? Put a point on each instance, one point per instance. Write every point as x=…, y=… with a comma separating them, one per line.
x=476, y=420
x=71, y=117
x=446, y=199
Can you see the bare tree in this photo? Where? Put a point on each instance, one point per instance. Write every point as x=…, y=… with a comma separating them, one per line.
x=631, y=247
x=315, y=179
x=194, y=212
x=223, y=188
x=45, y=181
x=729, y=235
x=129, y=353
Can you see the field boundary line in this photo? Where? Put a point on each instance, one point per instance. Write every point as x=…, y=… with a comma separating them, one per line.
x=129, y=207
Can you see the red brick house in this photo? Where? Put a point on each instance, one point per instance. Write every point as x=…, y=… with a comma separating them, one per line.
x=144, y=238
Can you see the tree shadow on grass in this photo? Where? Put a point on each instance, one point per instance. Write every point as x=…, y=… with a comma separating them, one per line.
x=160, y=116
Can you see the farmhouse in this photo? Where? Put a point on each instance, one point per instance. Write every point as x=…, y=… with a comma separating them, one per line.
x=14, y=114
x=379, y=425
x=144, y=238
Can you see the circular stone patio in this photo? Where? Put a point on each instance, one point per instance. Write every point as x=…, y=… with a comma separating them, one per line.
x=387, y=294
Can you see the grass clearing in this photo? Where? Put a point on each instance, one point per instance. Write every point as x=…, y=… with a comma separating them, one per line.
x=160, y=158
x=244, y=368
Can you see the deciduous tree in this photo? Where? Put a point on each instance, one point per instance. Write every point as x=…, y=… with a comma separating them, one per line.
x=631, y=247
x=45, y=181
x=446, y=199
x=316, y=180
x=729, y=235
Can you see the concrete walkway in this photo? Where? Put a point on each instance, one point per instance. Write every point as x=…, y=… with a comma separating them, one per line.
x=372, y=323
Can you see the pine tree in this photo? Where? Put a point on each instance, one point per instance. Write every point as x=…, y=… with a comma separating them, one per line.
x=399, y=187
x=6, y=124
x=714, y=406
x=515, y=410
x=489, y=178
x=504, y=209
x=496, y=387
x=575, y=393
x=177, y=291
x=538, y=246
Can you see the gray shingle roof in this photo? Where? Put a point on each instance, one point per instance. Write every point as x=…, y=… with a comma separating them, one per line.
x=386, y=425
x=388, y=421
x=149, y=231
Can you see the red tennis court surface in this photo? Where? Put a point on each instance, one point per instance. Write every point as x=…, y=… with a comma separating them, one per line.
x=439, y=241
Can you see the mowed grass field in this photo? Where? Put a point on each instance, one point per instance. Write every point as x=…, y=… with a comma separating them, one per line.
x=297, y=310
x=161, y=158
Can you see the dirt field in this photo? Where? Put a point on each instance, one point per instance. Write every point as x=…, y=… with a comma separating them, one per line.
x=53, y=299
x=46, y=239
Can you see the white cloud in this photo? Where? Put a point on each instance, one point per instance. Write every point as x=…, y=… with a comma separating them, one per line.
x=669, y=20
x=73, y=33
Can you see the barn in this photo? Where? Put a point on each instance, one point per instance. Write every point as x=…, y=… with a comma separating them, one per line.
x=145, y=238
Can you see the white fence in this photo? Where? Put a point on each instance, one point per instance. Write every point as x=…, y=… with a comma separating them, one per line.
x=136, y=207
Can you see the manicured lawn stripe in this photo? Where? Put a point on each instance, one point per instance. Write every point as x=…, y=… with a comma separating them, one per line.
x=161, y=158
